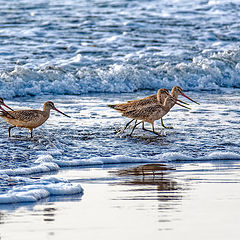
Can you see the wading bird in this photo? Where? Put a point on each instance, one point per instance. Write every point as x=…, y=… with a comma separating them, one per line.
x=150, y=100
x=158, y=98
x=175, y=92
x=29, y=119
x=151, y=113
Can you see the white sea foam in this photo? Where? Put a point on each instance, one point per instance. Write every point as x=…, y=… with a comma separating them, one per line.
x=208, y=71
x=37, y=189
x=221, y=156
x=31, y=190
x=46, y=163
x=117, y=159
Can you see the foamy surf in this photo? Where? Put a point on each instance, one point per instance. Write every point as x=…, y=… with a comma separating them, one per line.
x=28, y=189
x=207, y=72
x=36, y=189
x=84, y=55
x=48, y=164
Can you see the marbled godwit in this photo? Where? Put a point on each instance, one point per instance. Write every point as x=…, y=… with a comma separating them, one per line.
x=176, y=91
x=162, y=93
x=158, y=98
x=139, y=103
x=150, y=100
x=151, y=113
x=29, y=119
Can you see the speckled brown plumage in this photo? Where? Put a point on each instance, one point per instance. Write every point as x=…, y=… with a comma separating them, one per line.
x=142, y=107
x=139, y=103
x=150, y=113
x=29, y=119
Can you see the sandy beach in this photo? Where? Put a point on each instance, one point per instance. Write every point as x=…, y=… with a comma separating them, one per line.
x=121, y=203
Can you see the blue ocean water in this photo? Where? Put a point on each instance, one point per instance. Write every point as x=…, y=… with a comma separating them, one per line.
x=84, y=55
x=74, y=47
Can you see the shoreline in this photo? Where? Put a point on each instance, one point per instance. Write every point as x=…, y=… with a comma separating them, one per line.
x=159, y=205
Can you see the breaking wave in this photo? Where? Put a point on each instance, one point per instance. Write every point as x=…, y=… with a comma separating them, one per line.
x=206, y=72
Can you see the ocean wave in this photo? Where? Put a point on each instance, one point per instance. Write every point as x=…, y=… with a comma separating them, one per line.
x=208, y=71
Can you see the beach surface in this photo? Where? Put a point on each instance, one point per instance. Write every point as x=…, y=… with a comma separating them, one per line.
x=182, y=201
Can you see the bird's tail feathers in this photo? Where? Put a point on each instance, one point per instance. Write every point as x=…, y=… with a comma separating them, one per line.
x=112, y=105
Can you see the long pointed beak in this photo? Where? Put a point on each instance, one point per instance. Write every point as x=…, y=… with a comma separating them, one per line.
x=190, y=98
x=182, y=102
x=6, y=112
x=7, y=106
x=61, y=112
x=182, y=105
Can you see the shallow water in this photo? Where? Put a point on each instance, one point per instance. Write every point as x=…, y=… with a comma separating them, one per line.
x=206, y=132
x=197, y=199
x=73, y=47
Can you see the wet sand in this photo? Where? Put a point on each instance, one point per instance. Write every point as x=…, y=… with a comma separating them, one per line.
x=135, y=201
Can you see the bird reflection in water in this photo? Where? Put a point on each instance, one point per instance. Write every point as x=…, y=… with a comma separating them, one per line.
x=49, y=214
x=146, y=178
x=151, y=188
x=1, y=219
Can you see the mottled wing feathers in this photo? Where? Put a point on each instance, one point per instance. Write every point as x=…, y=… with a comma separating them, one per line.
x=146, y=99
x=144, y=113
x=26, y=115
x=135, y=104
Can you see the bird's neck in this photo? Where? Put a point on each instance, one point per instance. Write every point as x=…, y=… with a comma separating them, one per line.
x=46, y=109
x=174, y=93
x=161, y=98
x=168, y=103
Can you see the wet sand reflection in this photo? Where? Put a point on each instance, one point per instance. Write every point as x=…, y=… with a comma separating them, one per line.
x=148, y=177
x=154, y=184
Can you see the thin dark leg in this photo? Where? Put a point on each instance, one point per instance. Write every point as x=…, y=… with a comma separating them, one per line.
x=127, y=125
x=164, y=125
x=9, y=130
x=134, y=127
x=145, y=128
x=153, y=131
x=31, y=132
x=153, y=127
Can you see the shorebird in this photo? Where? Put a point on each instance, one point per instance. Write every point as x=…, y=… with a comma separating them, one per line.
x=29, y=119
x=151, y=113
x=162, y=93
x=153, y=99
x=139, y=103
x=176, y=91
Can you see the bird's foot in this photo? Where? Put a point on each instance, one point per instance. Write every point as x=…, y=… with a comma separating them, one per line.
x=170, y=127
